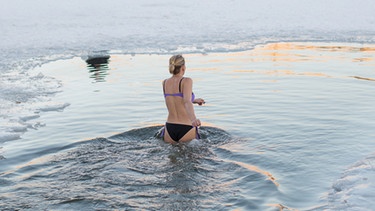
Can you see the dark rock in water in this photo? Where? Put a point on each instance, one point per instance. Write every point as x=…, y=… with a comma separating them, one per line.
x=95, y=60
x=98, y=66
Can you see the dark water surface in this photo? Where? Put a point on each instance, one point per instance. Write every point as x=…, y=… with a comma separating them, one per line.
x=281, y=124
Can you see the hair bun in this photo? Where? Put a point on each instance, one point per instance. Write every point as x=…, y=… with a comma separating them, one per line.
x=171, y=68
x=175, y=64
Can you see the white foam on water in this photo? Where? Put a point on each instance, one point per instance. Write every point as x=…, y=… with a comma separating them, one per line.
x=23, y=96
x=355, y=190
x=8, y=136
x=54, y=106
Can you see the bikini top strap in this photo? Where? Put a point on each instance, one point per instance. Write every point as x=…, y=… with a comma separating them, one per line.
x=179, y=85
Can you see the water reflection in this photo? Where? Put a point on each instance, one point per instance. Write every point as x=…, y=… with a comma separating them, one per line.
x=320, y=47
x=98, y=67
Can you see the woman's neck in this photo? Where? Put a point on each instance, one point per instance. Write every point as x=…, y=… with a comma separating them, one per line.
x=179, y=75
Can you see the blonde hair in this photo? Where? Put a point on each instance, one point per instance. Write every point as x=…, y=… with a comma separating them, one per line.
x=175, y=64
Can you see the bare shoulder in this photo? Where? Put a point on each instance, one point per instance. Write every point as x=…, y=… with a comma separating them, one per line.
x=187, y=84
x=188, y=80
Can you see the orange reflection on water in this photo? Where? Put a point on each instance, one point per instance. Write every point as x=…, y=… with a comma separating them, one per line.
x=282, y=207
x=367, y=49
x=317, y=47
x=256, y=169
x=27, y=170
x=206, y=69
x=363, y=59
x=293, y=52
x=283, y=72
x=300, y=59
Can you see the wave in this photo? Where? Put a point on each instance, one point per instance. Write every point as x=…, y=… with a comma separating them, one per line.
x=138, y=170
x=210, y=136
x=355, y=189
x=123, y=170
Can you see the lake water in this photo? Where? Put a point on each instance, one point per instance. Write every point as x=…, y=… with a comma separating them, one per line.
x=286, y=126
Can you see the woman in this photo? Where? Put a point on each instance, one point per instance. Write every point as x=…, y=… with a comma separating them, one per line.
x=182, y=124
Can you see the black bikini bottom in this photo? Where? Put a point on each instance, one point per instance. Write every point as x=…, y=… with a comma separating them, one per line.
x=177, y=131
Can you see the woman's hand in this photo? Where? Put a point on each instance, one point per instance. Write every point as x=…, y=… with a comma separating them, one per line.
x=196, y=123
x=199, y=101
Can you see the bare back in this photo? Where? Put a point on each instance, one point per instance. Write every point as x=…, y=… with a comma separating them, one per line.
x=180, y=92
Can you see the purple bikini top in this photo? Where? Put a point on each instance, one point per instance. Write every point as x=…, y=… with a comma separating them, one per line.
x=179, y=94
